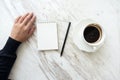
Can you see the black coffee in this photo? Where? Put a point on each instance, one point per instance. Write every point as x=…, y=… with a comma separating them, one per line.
x=91, y=34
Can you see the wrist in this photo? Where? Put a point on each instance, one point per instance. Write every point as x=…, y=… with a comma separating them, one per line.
x=11, y=45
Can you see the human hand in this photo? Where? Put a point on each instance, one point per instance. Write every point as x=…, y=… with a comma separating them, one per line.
x=23, y=28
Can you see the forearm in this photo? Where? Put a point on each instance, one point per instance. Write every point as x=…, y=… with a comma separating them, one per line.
x=7, y=58
x=23, y=28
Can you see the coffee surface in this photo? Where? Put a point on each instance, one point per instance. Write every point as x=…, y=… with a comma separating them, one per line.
x=91, y=34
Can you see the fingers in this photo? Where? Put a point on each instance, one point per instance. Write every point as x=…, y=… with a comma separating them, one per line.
x=23, y=27
x=23, y=17
x=27, y=22
x=27, y=18
x=17, y=19
x=31, y=31
x=31, y=22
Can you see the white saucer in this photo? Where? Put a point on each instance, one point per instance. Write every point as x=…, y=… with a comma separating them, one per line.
x=78, y=37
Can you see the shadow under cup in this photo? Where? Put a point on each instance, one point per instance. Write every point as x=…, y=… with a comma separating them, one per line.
x=92, y=33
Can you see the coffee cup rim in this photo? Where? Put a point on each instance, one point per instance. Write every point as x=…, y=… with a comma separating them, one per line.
x=95, y=43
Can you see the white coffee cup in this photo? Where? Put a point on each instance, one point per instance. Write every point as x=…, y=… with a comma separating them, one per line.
x=101, y=35
x=79, y=38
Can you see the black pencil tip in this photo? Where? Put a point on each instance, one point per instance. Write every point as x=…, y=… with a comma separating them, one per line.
x=60, y=55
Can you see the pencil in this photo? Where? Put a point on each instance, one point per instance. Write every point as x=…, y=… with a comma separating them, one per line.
x=65, y=38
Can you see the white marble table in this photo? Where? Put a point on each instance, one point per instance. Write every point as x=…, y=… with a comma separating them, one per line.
x=75, y=64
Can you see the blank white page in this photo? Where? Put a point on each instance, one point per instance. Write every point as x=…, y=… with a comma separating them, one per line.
x=47, y=36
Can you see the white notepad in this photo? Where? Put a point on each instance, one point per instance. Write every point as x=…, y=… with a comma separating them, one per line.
x=47, y=36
